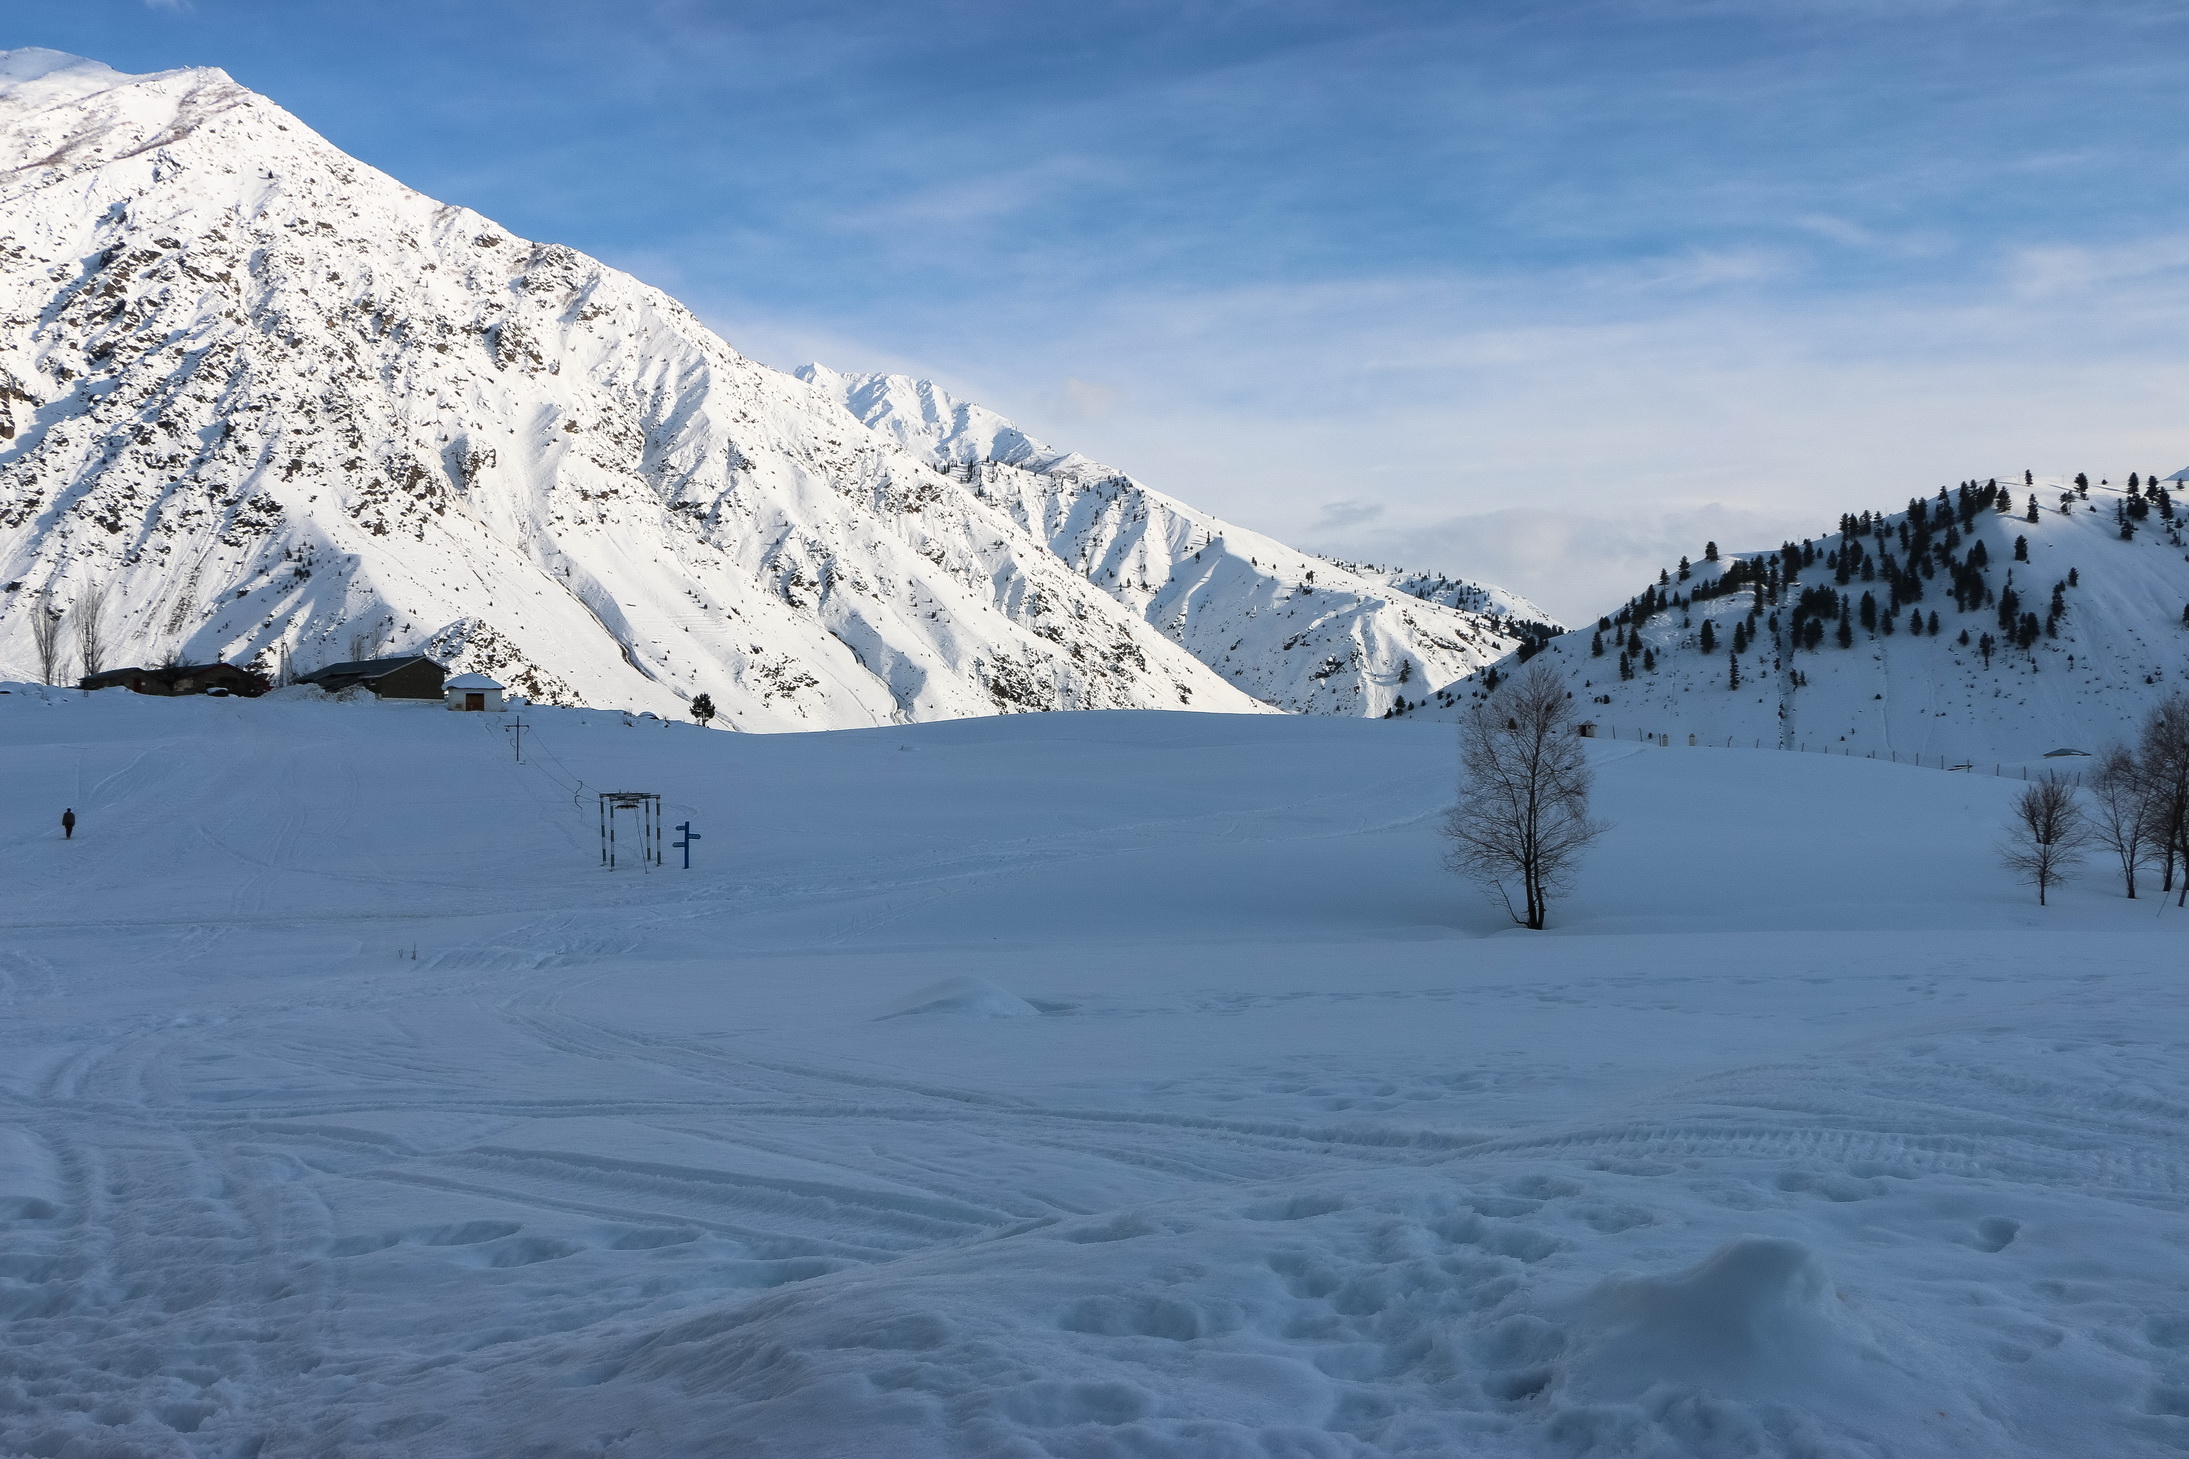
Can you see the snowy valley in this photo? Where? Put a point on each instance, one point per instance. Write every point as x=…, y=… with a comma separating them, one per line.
x=1059, y=1085
x=988, y=1082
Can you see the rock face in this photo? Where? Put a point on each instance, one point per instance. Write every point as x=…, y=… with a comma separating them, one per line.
x=1307, y=634
x=278, y=406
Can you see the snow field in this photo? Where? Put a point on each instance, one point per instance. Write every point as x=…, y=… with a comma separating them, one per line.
x=1070, y=1085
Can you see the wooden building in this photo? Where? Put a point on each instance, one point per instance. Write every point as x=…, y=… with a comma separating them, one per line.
x=413, y=676
x=182, y=679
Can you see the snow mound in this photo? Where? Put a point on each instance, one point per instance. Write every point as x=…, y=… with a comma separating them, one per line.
x=1755, y=1318
x=965, y=997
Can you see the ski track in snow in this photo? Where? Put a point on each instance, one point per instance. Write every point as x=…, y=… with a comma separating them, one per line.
x=350, y=1109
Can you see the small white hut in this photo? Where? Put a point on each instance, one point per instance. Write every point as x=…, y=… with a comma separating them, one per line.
x=473, y=691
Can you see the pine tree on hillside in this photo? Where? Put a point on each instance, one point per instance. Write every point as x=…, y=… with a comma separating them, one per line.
x=1710, y=552
x=702, y=708
x=1732, y=670
x=2021, y=547
x=1710, y=637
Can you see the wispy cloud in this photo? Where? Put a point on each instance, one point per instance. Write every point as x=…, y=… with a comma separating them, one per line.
x=1365, y=273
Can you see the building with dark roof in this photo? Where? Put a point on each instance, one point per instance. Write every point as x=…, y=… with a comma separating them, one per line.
x=412, y=676
x=182, y=679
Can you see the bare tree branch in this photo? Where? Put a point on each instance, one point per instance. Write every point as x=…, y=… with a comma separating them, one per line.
x=2124, y=814
x=89, y=616
x=2162, y=753
x=2044, y=841
x=47, y=632
x=1522, y=820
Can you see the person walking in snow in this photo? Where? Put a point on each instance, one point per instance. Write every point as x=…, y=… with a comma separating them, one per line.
x=68, y=824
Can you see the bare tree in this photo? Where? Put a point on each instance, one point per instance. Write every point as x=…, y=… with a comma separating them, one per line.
x=363, y=645
x=2122, y=814
x=2163, y=753
x=1522, y=820
x=89, y=615
x=47, y=629
x=2045, y=840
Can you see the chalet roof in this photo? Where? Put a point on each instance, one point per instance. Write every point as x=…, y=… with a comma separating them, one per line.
x=361, y=668
x=471, y=681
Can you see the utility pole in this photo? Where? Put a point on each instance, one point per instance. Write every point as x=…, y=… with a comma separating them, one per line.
x=685, y=845
x=517, y=727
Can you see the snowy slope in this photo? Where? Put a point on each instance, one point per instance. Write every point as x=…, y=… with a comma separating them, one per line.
x=1054, y=1085
x=270, y=398
x=2118, y=643
x=1305, y=633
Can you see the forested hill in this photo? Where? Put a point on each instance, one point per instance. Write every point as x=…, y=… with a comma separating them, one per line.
x=1990, y=621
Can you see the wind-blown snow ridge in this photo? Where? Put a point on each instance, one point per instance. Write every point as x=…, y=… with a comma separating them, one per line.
x=1305, y=633
x=273, y=401
x=2061, y=615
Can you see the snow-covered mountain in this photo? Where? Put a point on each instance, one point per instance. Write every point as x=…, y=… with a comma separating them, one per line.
x=1305, y=633
x=2051, y=617
x=269, y=399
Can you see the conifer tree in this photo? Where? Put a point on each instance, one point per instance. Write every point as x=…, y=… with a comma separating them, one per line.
x=1710, y=637
x=702, y=708
x=2021, y=547
x=1732, y=669
x=1710, y=552
x=1846, y=633
x=1596, y=645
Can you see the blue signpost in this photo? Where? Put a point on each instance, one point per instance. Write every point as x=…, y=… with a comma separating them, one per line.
x=685, y=845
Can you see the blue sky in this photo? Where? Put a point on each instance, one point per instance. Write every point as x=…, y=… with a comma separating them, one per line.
x=1538, y=292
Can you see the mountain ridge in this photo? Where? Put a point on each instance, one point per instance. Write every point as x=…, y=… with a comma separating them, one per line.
x=1306, y=633
x=273, y=402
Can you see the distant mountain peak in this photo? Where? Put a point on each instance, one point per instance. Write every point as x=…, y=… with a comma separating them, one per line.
x=1305, y=633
